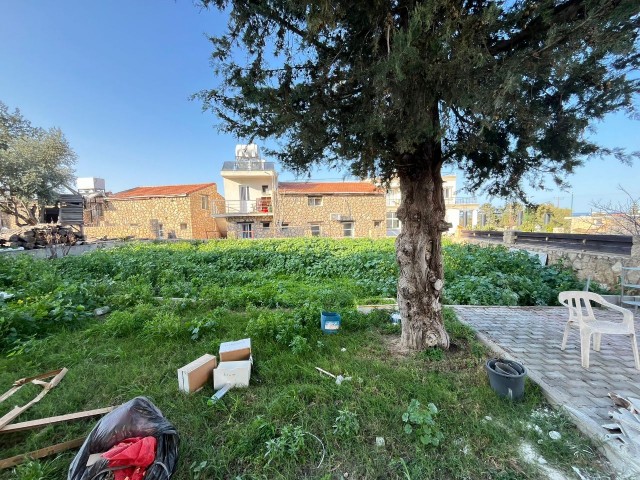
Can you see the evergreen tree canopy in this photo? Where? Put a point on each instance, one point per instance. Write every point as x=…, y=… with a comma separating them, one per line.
x=502, y=89
x=505, y=90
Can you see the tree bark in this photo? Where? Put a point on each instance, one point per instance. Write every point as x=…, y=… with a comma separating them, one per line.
x=419, y=253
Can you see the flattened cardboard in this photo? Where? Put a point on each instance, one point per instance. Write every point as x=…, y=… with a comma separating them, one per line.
x=195, y=375
x=235, y=351
x=236, y=374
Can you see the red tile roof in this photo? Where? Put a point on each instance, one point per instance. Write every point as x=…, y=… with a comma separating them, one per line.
x=328, y=187
x=163, y=191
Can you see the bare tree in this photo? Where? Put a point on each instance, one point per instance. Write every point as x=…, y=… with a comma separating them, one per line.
x=619, y=217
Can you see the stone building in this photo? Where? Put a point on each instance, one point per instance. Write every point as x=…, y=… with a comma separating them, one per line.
x=461, y=211
x=332, y=209
x=258, y=206
x=173, y=211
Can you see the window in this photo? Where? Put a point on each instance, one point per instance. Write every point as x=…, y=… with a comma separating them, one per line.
x=246, y=230
x=547, y=218
x=465, y=218
x=266, y=224
x=314, y=201
x=160, y=230
x=448, y=192
x=265, y=188
x=204, y=202
x=284, y=227
x=376, y=223
x=347, y=229
x=315, y=230
x=183, y=226
x=392, y=220
x=393, y=197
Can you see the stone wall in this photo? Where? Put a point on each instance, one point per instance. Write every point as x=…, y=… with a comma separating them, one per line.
x=367, y=211
x=603, y=268
x=180, y=217
x=203, y=225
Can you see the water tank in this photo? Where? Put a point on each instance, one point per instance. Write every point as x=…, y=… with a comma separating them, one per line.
x=90, y=184
x=247, y=152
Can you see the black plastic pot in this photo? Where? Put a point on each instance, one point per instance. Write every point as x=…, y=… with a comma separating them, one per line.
x=506, y=378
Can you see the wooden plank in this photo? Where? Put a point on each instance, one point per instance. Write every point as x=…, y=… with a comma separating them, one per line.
x=43, y=452
x=42, y=422
x=9, y=417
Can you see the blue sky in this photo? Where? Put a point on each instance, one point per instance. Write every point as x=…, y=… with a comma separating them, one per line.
x=116, y=76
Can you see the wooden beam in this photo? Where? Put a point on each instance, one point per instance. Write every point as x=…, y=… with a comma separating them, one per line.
x=43, y=452
x=17, y=427
x=9, y=417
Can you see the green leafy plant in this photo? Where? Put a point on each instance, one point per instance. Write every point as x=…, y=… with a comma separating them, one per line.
x=420, y=421
x=346, y=424
x=286, y=446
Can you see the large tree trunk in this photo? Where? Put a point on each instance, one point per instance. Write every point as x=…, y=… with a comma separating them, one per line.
x=419, y=252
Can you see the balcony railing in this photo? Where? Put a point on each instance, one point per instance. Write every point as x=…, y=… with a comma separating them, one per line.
x=395, y=202
x=460, y=200
x=261, y=206
x=249, y=166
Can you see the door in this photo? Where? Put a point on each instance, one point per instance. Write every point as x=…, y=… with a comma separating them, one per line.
x=244, y=199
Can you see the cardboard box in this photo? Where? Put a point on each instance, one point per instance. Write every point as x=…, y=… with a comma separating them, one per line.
x=235, y=351
x=236, y=374
x=195, y=375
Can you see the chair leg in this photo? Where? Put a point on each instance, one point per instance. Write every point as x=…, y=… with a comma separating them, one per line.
x=585, y=347
x=634, y=346
x=566, y=335
x=597, y=339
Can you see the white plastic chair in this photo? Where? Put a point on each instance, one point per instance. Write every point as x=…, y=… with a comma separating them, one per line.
x=581, y=312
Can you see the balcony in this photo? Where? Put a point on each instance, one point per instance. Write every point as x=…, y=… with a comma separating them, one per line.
x=248, y=166
x=460, y=201
x=450, y=201
x=244, y=208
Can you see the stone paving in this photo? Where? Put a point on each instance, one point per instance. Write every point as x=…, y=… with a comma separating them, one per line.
x=533, y=335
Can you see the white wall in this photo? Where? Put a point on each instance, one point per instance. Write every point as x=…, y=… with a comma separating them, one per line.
x=232, y=187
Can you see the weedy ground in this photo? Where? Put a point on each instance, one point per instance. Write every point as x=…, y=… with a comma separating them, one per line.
x=292, y=422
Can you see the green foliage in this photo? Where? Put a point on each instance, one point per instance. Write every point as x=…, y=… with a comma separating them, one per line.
x=34, y=164
x=300, y=277
x=165, y=324
x=136, y=349
x=420, y=421
x=505, y=88
x=346, y=424
x=287, y=446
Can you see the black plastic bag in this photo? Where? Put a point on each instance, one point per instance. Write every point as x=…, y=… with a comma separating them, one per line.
x=136, y=418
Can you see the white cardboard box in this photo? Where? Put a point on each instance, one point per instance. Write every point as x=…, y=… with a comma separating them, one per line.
x=234, y=351
x=195, y=375
x=237, y=374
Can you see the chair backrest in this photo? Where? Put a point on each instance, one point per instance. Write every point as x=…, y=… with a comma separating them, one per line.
x=579, y=305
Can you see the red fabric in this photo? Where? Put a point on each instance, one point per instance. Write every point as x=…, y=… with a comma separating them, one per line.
x=135, y=453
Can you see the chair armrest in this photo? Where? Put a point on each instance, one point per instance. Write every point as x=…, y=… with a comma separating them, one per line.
x=627, y=315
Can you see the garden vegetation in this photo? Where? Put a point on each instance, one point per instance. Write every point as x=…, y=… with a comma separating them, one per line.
x=170, y=303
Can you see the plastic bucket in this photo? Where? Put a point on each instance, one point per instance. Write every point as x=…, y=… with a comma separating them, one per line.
x=330, y=322
x=506, y=378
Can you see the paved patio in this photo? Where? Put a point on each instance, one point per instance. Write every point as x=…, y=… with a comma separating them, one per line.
x=532, y=336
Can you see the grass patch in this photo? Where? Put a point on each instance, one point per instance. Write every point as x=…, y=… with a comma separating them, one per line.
x=292, y=422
